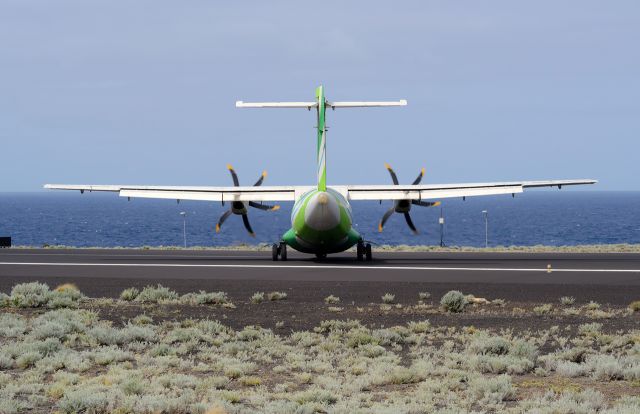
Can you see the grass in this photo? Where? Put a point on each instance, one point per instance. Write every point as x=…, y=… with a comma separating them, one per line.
x=454, y=301
x=38, y=295
x=276, y=296
x=543, y=309
x=388, y=298
x=129, y=294
x=257, y=297
x=77, y=360
x=586, y=248
x=331, y=300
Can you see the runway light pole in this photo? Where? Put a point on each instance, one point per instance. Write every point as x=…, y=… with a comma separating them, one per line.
x=441, y=222
x=485, y=213
x=184, y=227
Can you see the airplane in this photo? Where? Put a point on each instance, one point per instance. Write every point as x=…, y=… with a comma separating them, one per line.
x=321, y=219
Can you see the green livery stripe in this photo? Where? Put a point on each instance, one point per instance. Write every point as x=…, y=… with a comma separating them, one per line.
x=322, y=140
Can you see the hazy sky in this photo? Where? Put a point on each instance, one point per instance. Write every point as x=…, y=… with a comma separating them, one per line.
x=143, y=92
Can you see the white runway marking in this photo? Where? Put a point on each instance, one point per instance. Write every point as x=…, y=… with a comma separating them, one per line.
x=343, y=267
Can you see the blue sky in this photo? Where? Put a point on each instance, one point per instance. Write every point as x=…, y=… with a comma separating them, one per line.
x=115, y=92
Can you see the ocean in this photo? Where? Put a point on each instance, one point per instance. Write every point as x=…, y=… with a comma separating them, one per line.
x=548, y=217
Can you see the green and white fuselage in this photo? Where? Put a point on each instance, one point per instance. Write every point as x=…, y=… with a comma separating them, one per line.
x=321, y=223
x=321, y=220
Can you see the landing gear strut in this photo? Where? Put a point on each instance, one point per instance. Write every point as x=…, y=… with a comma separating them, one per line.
x=279, y=250
x=363, y=251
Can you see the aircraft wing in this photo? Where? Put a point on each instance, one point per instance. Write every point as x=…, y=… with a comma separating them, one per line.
x=439, y=191
x=230, y=194
x=293, y=193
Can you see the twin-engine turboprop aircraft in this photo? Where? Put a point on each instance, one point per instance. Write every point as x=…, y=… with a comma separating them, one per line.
x=321, y=220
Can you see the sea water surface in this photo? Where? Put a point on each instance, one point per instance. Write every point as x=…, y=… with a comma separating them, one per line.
x=549, y=217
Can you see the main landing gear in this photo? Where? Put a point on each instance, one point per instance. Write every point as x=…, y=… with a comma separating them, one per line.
x=279, y=250
x=363, y=251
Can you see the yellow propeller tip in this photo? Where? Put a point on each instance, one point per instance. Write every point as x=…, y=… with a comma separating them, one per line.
x=252, y=234
x=264, y=173
x=387, y=166
x=217, y=228
x=380, y=228
x=229, y=167
x=422, y=171
x=275, y=208
x=437, y=203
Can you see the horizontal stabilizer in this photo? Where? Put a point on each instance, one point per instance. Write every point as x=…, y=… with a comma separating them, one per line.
x=308, y=105
x=357, y=104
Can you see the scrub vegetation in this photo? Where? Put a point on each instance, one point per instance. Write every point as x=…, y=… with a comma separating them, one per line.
x=88, y=358
x=585, y=248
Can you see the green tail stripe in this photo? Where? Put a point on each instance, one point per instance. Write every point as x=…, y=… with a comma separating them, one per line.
x=322, y=140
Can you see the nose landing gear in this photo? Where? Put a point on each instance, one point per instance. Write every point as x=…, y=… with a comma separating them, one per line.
x=279, y=250
x=363, y=251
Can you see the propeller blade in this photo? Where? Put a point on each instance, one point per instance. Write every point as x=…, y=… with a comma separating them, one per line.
x=234, y=176
x=394, y=178
x=410, y=223
x=425, y=203
x=385, y=218
x=261, y=179
x=417, y=180
x=245, y=220
x=264, y=207
x=222, y=219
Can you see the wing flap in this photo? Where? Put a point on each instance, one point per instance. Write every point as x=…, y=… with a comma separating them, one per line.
x=230, y=195
x=261, y=193
x=405, y=193
x=439, y=191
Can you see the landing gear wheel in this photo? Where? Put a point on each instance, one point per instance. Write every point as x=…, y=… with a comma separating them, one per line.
x=283, y=251
x=367, y=252
x=274, y=252
x=360, y=250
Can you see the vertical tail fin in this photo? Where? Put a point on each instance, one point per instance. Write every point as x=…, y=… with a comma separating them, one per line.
x=321, y=105
x=322, y=140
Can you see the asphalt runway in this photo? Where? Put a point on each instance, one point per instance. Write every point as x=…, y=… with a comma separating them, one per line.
x=610, y=277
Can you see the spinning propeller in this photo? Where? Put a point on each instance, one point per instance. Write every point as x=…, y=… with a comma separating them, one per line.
x=404, y=206
x=240, y=207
